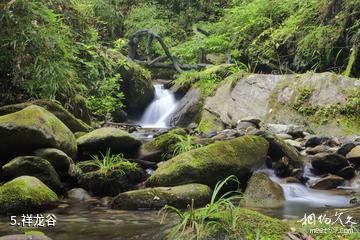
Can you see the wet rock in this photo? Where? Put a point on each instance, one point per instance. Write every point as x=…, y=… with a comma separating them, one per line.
x=102, y=139
x=25, y=194
x=246, y=125
x=78, y=194
x=188, y=109
x=354, y=156
x=33, y=128
x=282, y=167
x=73, y=123
x=292, y=180
x=278, y=148
x=104, y=184
x=119, y=115
x=283, y=128
x=36, y=167
x=284, y=136
x=212, y=163
x=313, y=141
x=328, y=162
x=328, y=182
x=261, y=191
x=295, y=144
x=347, y=172
x=317, y=149
x=57, y=158
x=345, y=148
x=156, y=198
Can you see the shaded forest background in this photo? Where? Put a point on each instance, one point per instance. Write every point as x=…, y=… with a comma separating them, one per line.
x=73, y=50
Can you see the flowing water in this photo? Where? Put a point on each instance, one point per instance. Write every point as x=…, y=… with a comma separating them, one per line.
x=160, y=109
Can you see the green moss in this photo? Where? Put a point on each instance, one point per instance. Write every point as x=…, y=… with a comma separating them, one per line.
x=164, y=142
x=209, y=122
x=25, y=194
x=208, y=165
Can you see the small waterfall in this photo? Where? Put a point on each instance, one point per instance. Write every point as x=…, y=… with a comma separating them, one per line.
x=157, y=113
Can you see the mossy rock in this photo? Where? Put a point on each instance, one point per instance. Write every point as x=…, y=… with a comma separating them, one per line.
x=57, y=158
x=262, y=192
x=136, y=84
x=102, y=139
x=164, y=141
x=209, y=122
x=104, y=184
x=25, y=194
x=73, y=123
x=156, y=198
x=36, y=167
x=32, y=128
x=215, y=162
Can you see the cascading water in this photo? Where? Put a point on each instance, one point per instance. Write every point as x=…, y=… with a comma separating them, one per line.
x=158, y=112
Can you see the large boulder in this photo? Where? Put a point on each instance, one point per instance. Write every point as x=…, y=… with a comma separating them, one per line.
x=261, y=191
x=73, y=123
x=33, y=128
x=156, y=198
x=136, y=84
x=57, y=158
x=33, y=166
x=290, y=99
x=25, y=195
x=102, y=139
x=188, y=109
x=210, y=164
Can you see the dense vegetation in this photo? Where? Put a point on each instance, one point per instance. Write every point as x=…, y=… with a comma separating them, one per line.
x=71, y=50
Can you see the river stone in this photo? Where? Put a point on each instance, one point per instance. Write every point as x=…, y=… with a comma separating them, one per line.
x=278, y=148
x=345, y=148
x=78, y=194
x=58, y=159
x=73, y=123
x=25, y=194
x=328, y=162
x=36, y=167
x=215, y=162
x=33, y=128
x=188, y=109
x=313, y=141
x=261, y=191
x=326, y=183
x=160, y=145
x=347, y=172
x=354, y=156
x=102, y=139
x=317, y=149
x=108, y=183
x=156, y=198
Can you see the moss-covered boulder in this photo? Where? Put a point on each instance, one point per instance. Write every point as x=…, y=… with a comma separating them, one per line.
x=156, y=198
x=261, y=191
x=209, y=122
x=33, y=128
x=33, y=166
x=73, y=123
x=104, y=184
x=25, y=195
x=215, y=162
x=160, y=145
x=105, y=138
x=57, y=158
x=136, y=84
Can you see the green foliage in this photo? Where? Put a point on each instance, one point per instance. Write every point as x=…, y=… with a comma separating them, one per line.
x=207, y=79
x=183, y=144
x=110, y=162
x=199, y=221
